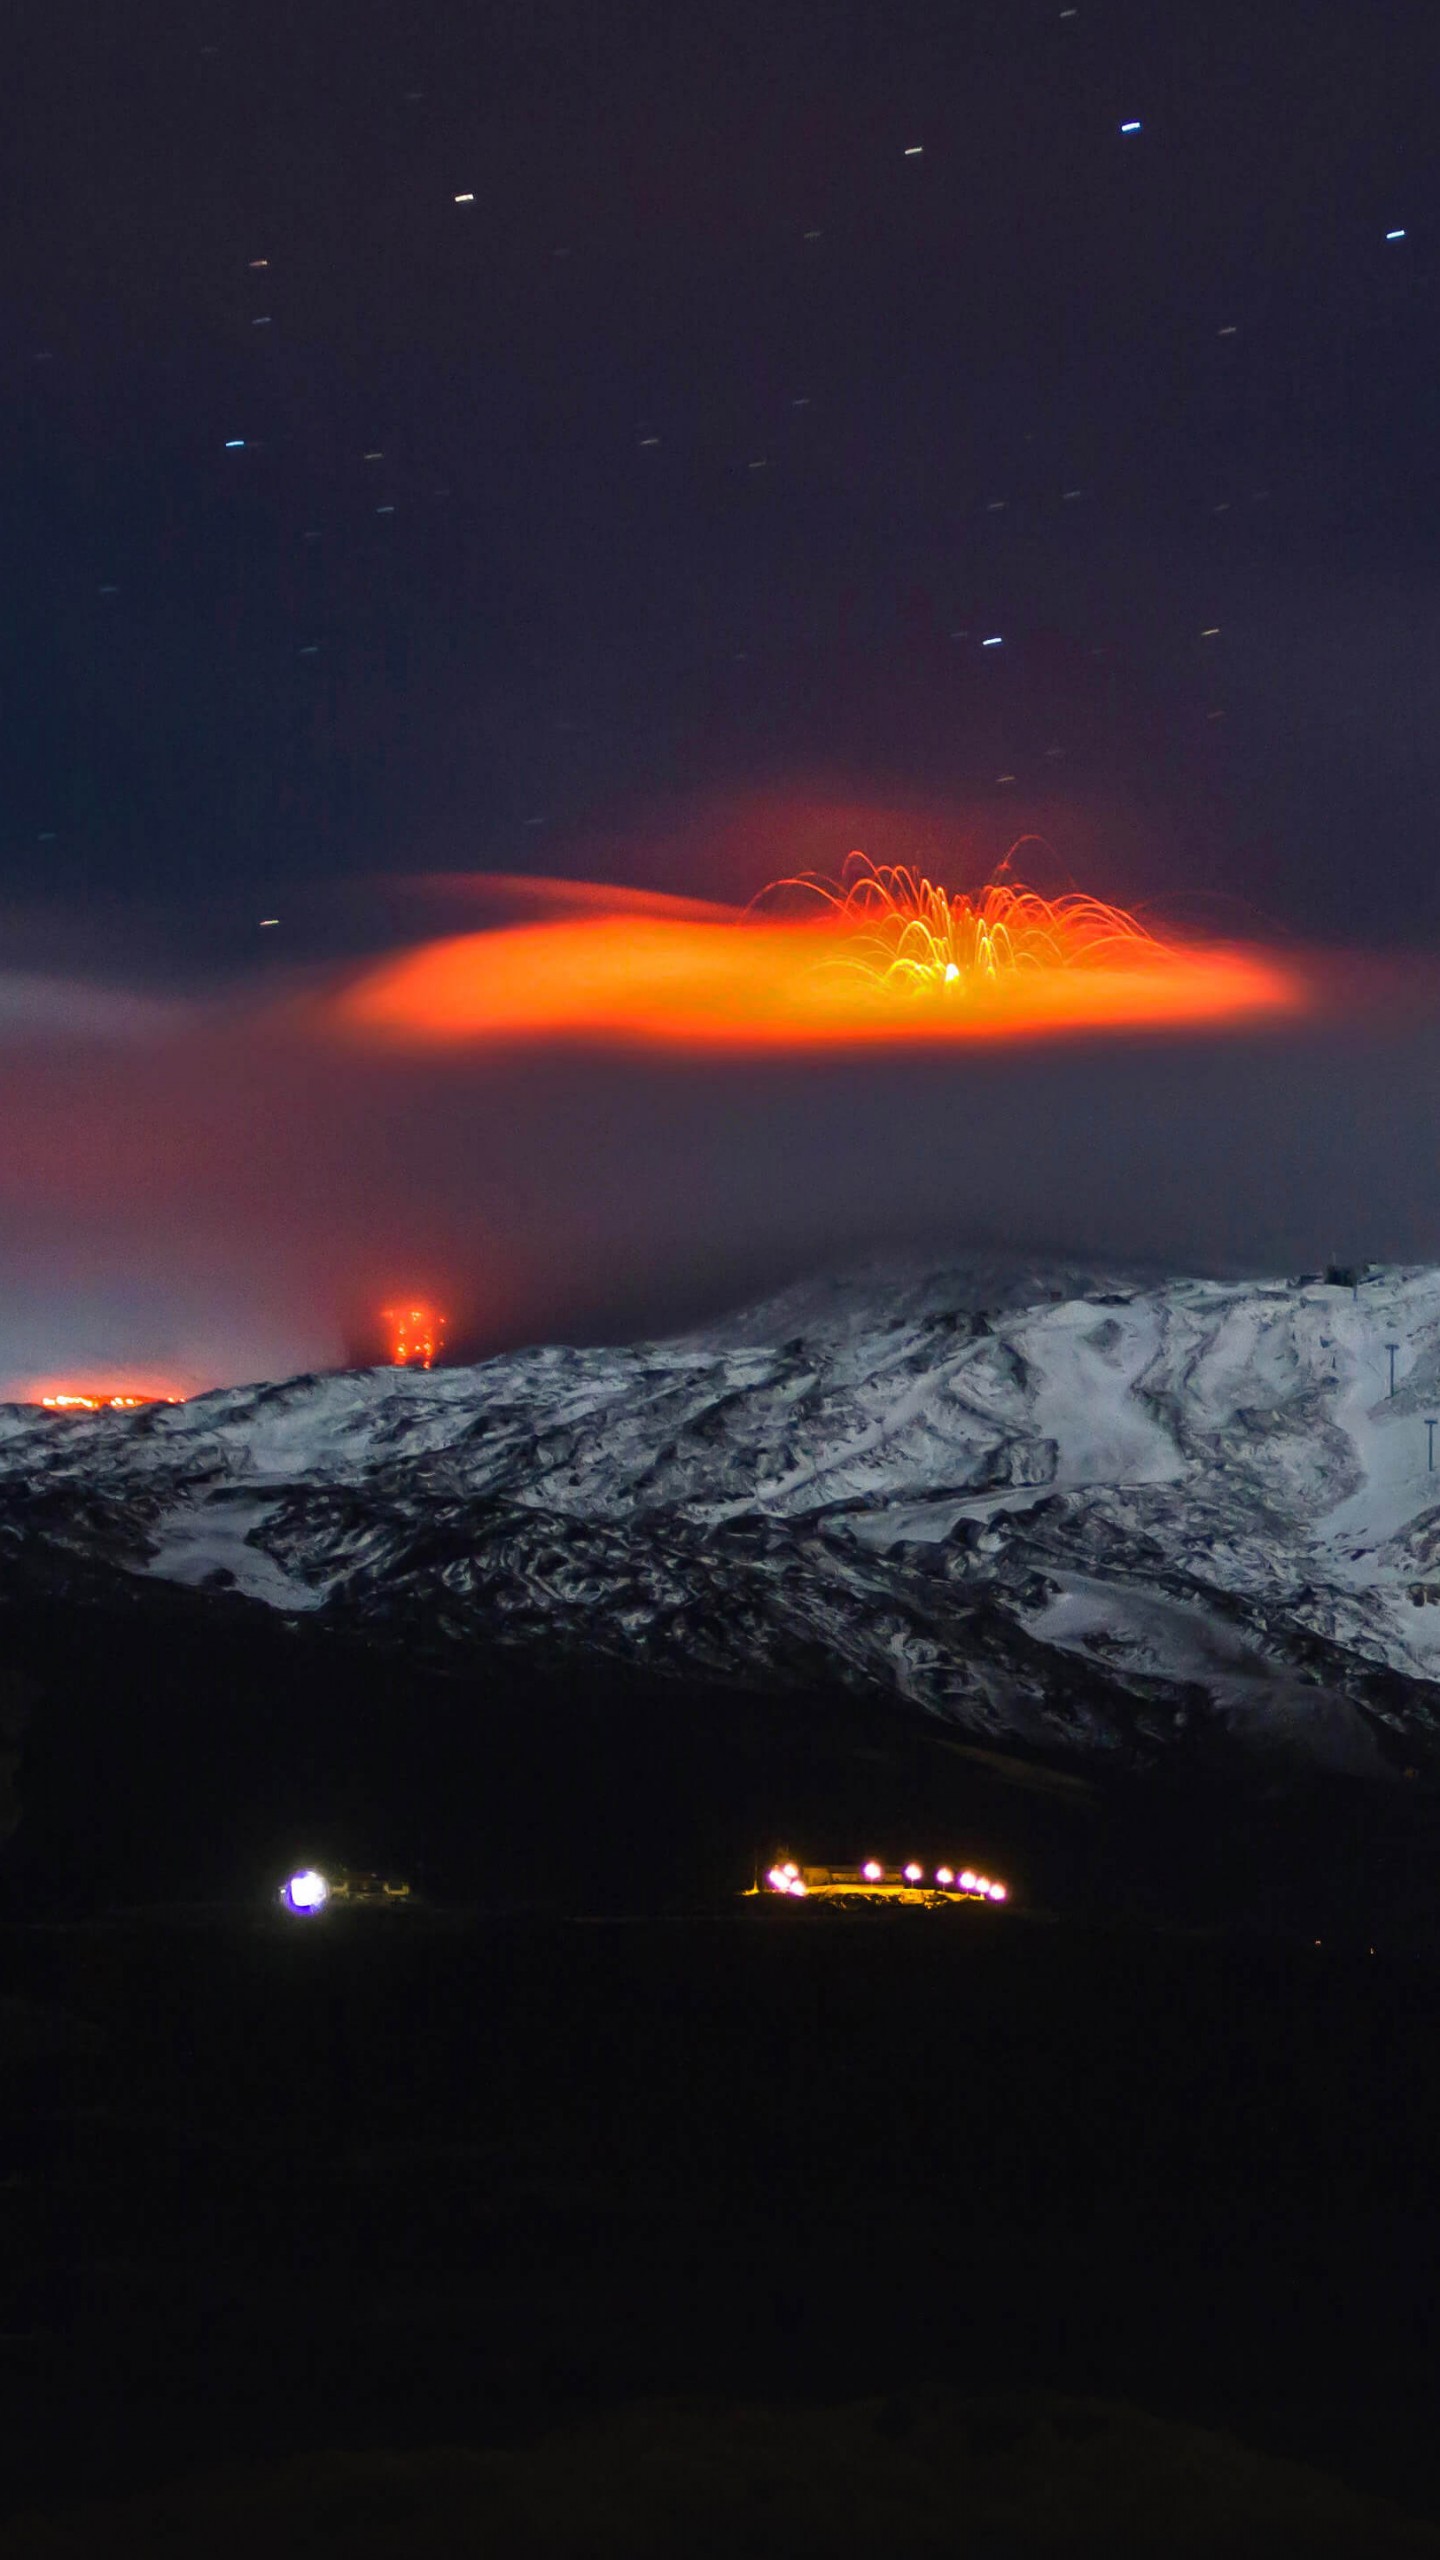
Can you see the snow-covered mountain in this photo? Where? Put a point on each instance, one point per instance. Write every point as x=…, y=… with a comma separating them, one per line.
x=1091, y=1512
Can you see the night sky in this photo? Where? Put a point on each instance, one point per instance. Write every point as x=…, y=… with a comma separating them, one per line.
x=600, y=441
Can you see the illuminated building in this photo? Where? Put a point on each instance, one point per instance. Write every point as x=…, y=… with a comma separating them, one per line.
x=310, y=1891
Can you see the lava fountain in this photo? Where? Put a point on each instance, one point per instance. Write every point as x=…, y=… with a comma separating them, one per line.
x=902, y=934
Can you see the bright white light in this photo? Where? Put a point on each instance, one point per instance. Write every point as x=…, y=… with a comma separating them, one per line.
x=914, y=1875
x=307, y=1891
x=944, y=1875
x=968, y=1881
x=952, y=970
x=997, y=1893
x=797, y=1887
x=997, y=642
x=872, y=1871
x=1132, y=127
x=777, y=1879
x=789, y=1868
x=1394, y=235
x=982, y=1884
x=913, y=150
x=469, y=199
x=234, y=444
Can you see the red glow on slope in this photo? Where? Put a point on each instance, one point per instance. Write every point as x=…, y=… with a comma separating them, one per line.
x=883, y=956
x=71, y=1395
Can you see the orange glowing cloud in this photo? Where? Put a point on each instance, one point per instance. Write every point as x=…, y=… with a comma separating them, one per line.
x=882, y=956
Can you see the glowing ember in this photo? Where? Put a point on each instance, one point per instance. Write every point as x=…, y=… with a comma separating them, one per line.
x=883, y=955
x=417, y=1335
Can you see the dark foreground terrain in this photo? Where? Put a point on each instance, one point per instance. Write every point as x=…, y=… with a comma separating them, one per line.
x=581, y=2208
x=411, y=2181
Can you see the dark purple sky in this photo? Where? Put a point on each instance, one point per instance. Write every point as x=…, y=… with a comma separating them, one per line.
x=644, y=518
x=230, y=671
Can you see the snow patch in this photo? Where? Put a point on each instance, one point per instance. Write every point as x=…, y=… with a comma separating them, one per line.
x=198, y=1539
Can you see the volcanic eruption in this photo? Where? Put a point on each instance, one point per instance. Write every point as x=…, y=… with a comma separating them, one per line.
x=883, y=954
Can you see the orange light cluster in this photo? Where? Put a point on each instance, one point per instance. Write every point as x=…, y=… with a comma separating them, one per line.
x=882, y=955
x=872, y=1883
x=417, y=1335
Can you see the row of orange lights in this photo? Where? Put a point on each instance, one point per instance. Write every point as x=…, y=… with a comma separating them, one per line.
x=788, y=1879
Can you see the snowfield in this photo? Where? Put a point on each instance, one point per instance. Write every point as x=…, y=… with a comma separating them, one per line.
x=1080, y=1508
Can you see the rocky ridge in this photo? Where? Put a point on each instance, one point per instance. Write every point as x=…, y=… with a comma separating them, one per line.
x=1094, y=1513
